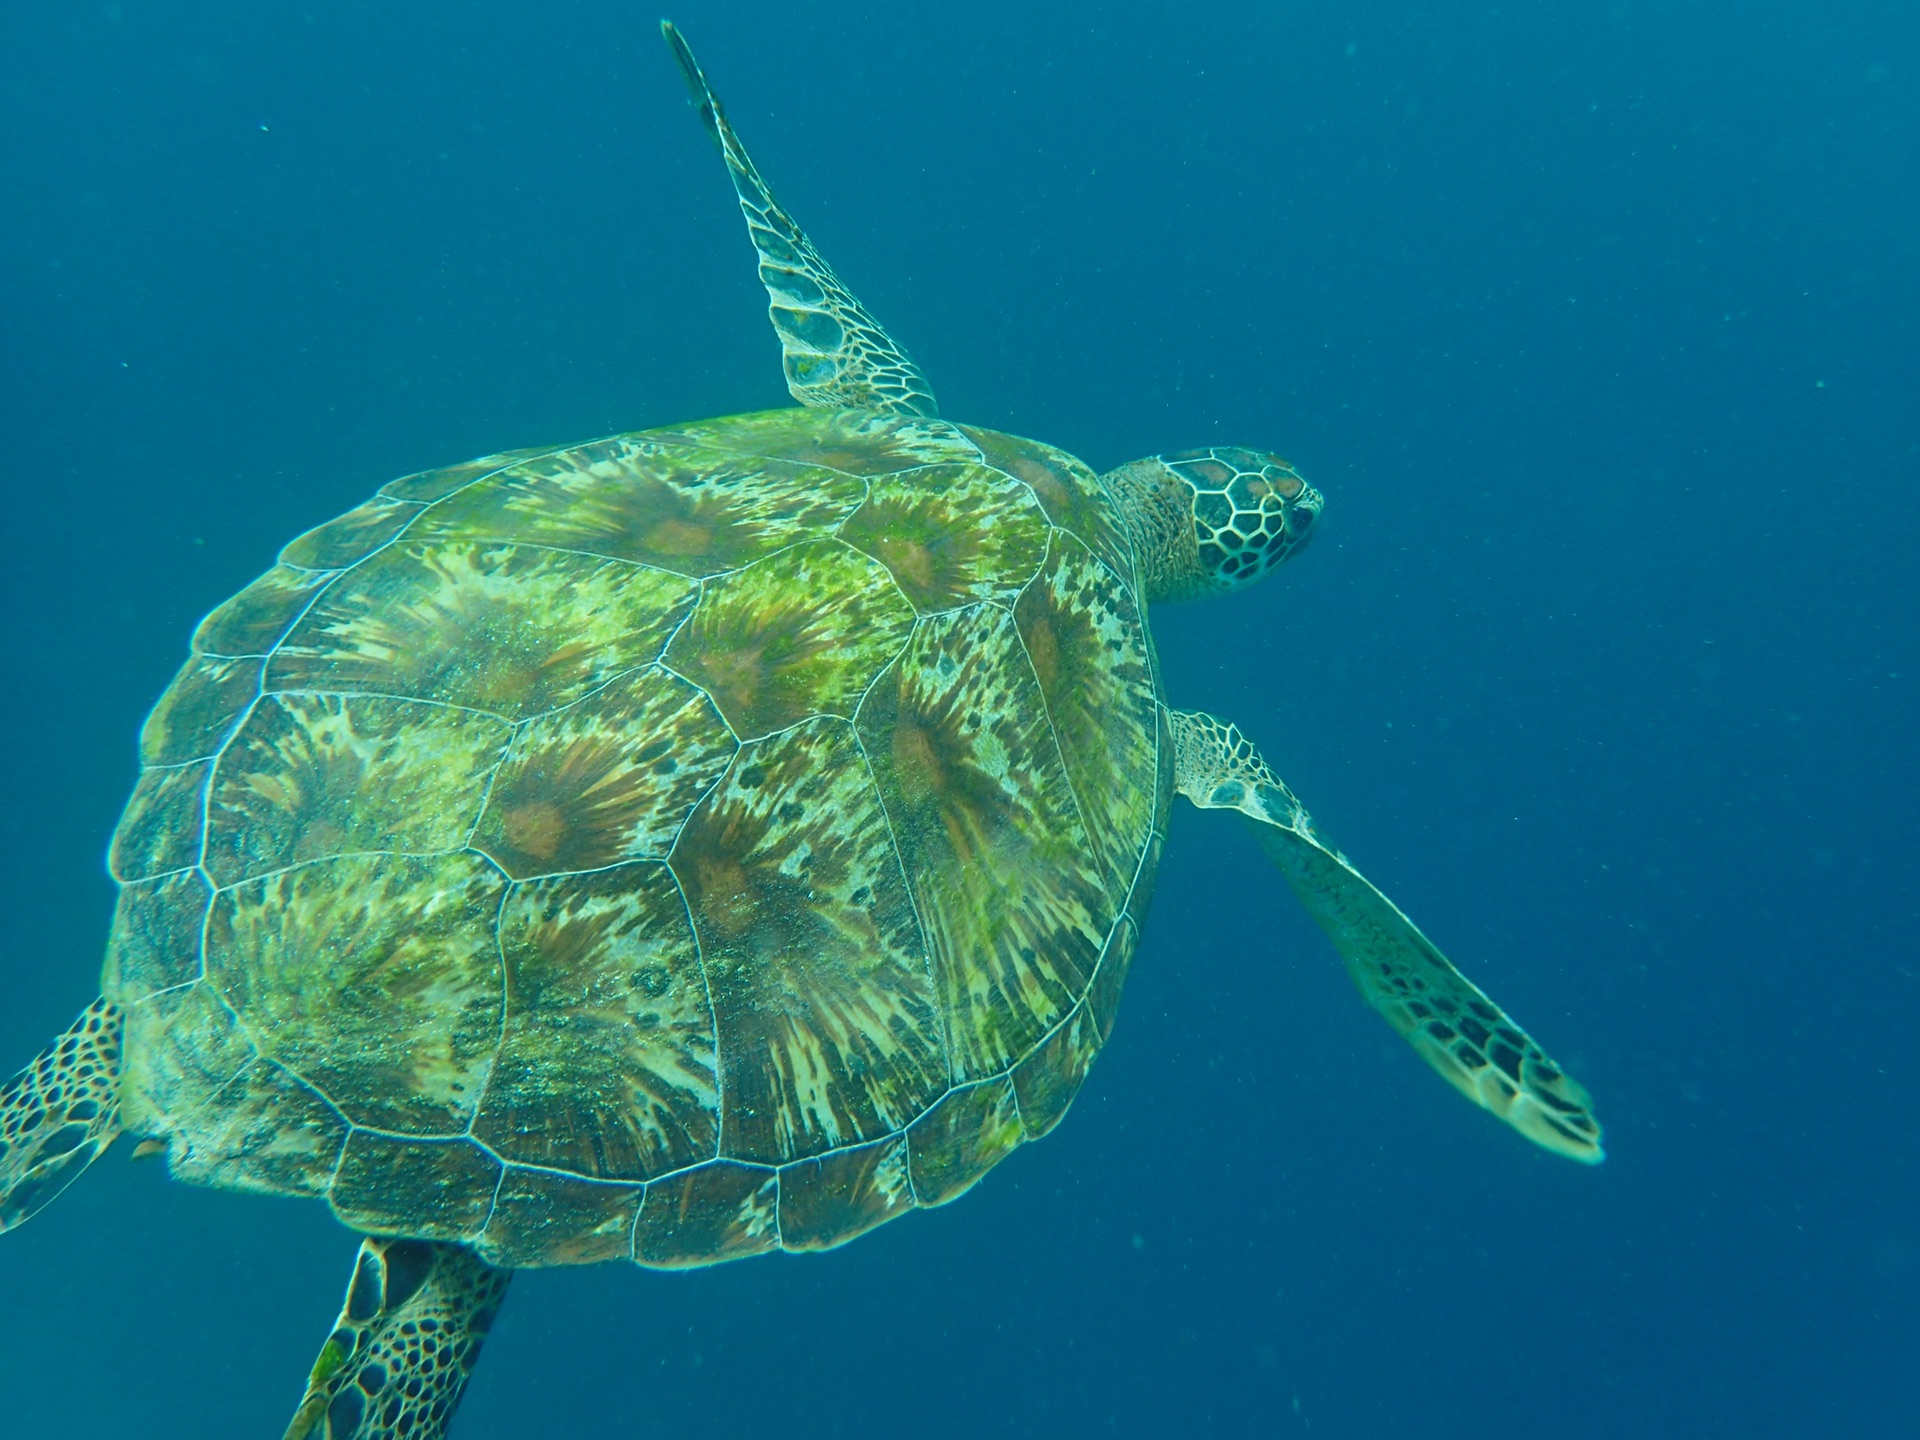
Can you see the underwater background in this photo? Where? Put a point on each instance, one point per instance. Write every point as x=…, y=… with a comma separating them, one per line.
x=1599, y=326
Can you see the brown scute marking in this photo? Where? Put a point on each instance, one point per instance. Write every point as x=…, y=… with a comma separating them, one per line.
x=956, y=1142
x=510, y=630
x=199, y=709
x=1014, y=904
x=182, y=1047
x=1084, y=633
x=352, y=537
x=714, y=1212
x=607, y=1065
x=155, y=944
x=266, y=1132
x=1047, y=1080
x=800, y=633
x=951, y=534
x=856, y=442
x=426, y=486
x=426, y=1189
x=252, y=622
x=309, y=776
x=377, y=978
x=828, y=1028
x=828, y=1201
x=544, y=1219
x=608, y=779
x=681, y=508
x=1068, y=491
x=160, y=829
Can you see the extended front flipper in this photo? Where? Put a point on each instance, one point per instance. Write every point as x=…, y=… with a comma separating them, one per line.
x=405, y=1343
x=835, y=354
x=59, y=1113
x=1456, y=1028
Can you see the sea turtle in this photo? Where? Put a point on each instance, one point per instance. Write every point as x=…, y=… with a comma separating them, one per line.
x=685, y=845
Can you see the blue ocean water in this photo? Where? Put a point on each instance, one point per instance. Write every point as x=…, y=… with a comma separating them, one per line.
x=1594, y=324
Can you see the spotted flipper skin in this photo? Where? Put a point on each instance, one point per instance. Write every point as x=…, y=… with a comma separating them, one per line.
x=836, y=355
x=59, y=1113
x=407, y=1338
x=1455, y=1027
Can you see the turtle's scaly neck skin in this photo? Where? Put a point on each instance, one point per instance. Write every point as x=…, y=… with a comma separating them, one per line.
x=1207, y=521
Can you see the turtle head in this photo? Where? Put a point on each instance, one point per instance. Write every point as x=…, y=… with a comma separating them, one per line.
x=1207, y=521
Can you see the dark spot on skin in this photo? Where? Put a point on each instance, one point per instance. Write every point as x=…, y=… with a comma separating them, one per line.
x=1474, y=1030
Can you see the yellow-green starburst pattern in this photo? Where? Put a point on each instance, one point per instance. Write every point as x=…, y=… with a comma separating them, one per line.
x=309, y=776
x=800, y=633
x=606, y=1062
x=682, y=508
x=507, y=629
x=1084, y=637
x=854, y=442
x=673, y=848
x=829, y=1031
x=951, y=534
x=1011, y=896
x=610, y=778
x=376, y=977
x=1067, y=490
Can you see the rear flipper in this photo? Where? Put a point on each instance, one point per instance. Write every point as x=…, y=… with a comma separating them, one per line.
x=1457, y=1029
x=407, y=1338
x=59, y=1113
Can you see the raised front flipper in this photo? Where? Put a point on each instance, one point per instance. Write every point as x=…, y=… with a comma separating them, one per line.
x=1455, y=1027
x=59, y=1113
x=835, y=354
x=405, y=1343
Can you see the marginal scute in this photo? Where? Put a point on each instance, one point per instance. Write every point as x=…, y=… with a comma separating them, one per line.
x=252, y=622
x=683, y=508
x=182, y=1049
x=350, y=538
x=1047, y=1080
x=951, y=534
x=955, y=1143
x=829, y=1032
x=1069, y=492
x=800, y=633
x=608, y=779
x=828, y=1201
x=713, y=1212
x=160, y=829
x=1084, y=634
x=266, y=1132
x=425, y=1189
x=309, y=776
x=540, y=1218
x=1014, y=904
x=507, y=629
x=426, y=486
x=199, y=709
x=377, y=978
x=1103, y=996
x=155, y=943
x=856, y=442
x=606, y=1068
